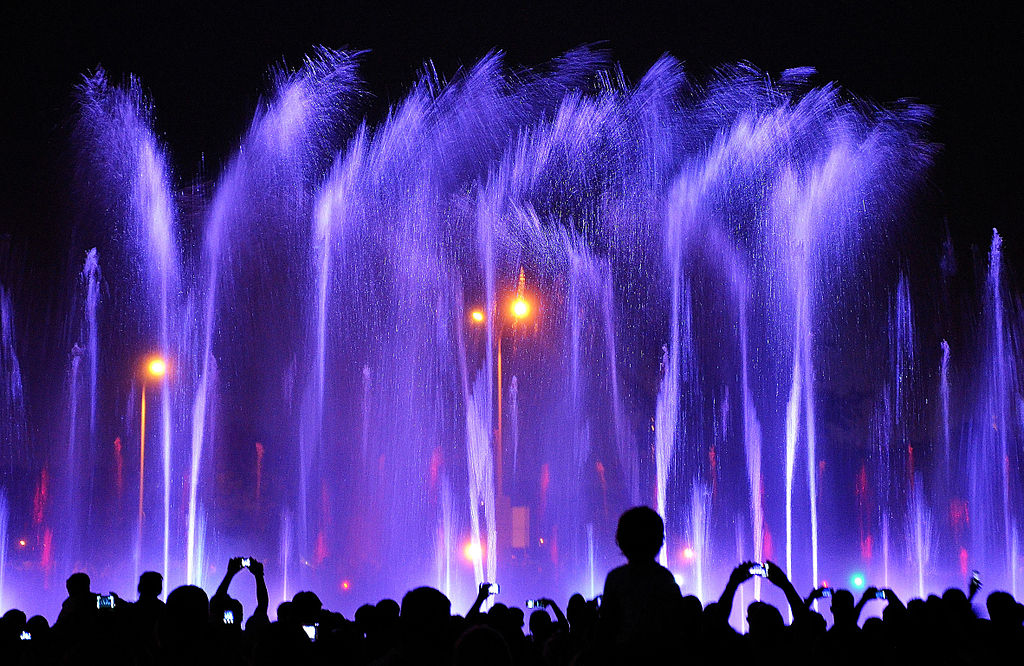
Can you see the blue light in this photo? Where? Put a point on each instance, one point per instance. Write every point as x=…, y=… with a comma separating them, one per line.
x=857, y=581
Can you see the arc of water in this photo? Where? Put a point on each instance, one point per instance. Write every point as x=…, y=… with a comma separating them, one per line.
x=622, y=441
x=792, y=416
x=667, y=409
x=752, y=447
x=700, y=501
x=920, y=528
x=72, y=472
x=944, y=398
x=200, y=404
x=91, y=277
x=1000, y=393
x=154, y=208
x=3, y=544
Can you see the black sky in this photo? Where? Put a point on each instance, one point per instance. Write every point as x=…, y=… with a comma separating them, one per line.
x=205, y=65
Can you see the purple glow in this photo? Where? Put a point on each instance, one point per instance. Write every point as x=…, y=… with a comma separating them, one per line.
x=721, y=326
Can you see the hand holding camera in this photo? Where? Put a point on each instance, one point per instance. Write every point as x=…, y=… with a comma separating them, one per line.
x=235, y=565
x=742, y=573
x=821, y=593
x=975, y=583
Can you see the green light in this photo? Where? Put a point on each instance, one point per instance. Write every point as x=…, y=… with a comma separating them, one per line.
x=857, y=581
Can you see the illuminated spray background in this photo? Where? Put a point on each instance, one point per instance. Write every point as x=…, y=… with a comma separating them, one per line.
x=724, y=323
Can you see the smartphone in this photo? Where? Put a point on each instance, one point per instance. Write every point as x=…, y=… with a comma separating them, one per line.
x=976, y=577
x=104, y=601
x=25, y=636
x=246, y=562
x=536, y=603
x=760, y=570
x=311, y=630
x=826, y=592
x=229, y=617
x=880, y=595
x=492, y=588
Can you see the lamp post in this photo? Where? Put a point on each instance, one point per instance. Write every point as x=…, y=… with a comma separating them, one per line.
x=155, y=368
x=518, y=310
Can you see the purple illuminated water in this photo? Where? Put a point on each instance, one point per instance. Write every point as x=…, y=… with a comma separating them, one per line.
x=722, y=325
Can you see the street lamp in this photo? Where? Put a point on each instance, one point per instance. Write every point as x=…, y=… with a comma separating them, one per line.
x=519, y=309
x=155, y=368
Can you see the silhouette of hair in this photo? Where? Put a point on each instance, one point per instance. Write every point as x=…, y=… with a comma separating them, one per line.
x=366, y=615
x=13, y=621
x=78, y=584
x=842, y=606
x=151, y=584
x=286, y=612
x=640, y=534
x=764, y=619
x=388, y=609
x=516, y=617
x=1003, y=608
x=37, y=626
x=425, y=607
x=540, y=624
x=307, y=606
x=188, y=608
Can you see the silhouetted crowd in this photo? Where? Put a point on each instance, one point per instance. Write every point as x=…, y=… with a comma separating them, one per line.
x=640, y=618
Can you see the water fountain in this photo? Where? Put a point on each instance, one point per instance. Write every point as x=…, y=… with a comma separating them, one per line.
x=723, y=326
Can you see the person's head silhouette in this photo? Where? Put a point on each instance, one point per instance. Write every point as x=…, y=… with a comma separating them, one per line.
x=640, y=534
x=78, y=584
x=151, y=584
x=1004, y=610
x=307, y=607
x=764, y=620
x=425, y=611
x=843, y=609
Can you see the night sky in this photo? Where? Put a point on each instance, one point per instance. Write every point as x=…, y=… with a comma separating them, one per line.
x=206, y=64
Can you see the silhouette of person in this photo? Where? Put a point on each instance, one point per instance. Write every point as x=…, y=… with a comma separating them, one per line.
x=78, y=612
x=147, y=612
x=641, y=604
x=425, y=620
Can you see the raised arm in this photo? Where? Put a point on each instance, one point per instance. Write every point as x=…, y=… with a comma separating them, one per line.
x=739, y=575
x=778, y=578
x=869, y=594
x=893, y=600
x=234, y=566
x=262, y=597
x=483, y=592
x=563, y=623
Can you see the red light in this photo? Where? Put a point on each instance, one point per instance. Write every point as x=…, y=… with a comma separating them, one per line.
x=22, y=543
